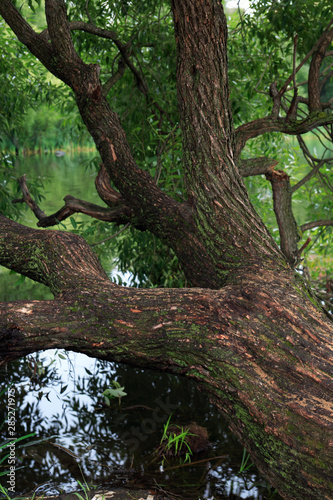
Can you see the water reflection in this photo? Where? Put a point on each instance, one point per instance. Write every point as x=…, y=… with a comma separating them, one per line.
x=59, y=396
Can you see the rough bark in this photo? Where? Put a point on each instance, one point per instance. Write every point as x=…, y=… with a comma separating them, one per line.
x=221, y=207
x=288, y=230
x=259, y=347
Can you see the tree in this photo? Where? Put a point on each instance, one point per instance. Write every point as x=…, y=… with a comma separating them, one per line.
x=249, y=330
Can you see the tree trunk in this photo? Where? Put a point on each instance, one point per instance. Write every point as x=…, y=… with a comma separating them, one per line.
x=259, y=347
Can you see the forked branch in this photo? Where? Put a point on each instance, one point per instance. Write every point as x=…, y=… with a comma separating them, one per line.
x=261, y=126
x=292, y=124
x=120, y=213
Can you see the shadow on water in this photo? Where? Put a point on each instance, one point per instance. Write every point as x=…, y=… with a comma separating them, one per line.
x=58, y=396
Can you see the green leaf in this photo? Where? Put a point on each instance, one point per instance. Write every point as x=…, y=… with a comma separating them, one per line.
x=73, y=221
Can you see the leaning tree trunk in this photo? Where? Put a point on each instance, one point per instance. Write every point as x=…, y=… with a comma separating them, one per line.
x=253, y=338
x=259, y=348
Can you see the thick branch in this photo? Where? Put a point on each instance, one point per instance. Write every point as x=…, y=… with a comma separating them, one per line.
x=59, y=31
x=153, y=210
x=55, y=56
x=212, y=178
x=314, y=71
x=120, y=214
x=275, y=124
x=61, y=261
x=124, y=52
x=103, y=187
x=256, y=166
x=289, y=236
x=259, y=349
x=24, y=32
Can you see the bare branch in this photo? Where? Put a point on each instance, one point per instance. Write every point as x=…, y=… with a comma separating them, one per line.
x=28, y=199
x=115, y=77
x=120, y=213
x=309, y=176
x=314, y=48
x=303, y=247
x=316, y=223
x=313, y=84
x=87, y=11
x=260, y=126
x=275, y=94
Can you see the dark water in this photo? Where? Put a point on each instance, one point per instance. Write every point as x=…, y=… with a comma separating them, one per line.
x=58, y=396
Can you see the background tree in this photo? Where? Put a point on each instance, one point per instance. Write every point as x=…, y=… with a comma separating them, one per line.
x=252, y=335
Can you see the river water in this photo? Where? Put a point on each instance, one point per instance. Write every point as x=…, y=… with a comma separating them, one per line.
x=58, y=396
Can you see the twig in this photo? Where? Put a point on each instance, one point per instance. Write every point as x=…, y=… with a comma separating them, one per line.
x=87, y=12
x=303, y=247
x=197, y=462
x=308, y=176
x=111, y=237
x=262, y=74
x=28, y=199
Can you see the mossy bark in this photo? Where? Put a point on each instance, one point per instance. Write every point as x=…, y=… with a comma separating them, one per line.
x=259, y=348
